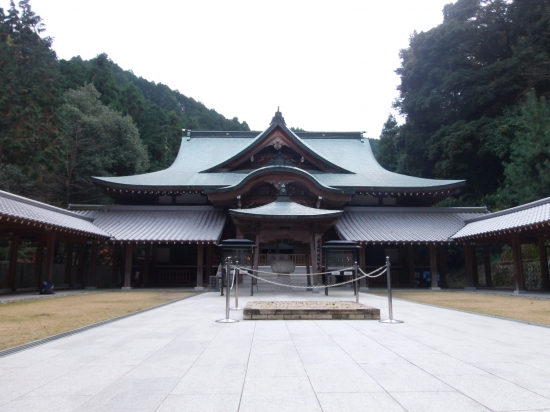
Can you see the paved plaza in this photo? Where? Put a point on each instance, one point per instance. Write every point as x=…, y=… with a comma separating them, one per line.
x=176, y=358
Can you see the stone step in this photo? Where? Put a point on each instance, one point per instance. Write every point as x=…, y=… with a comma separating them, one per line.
x=298, y=278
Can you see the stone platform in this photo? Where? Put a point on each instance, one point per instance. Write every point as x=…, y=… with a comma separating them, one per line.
x=295, y=310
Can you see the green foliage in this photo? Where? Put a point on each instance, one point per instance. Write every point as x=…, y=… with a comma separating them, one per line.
x=28, y=90
x=64, y=121
x=94, y=140
x=389, y=144
x=527, y=175
x=459, y=83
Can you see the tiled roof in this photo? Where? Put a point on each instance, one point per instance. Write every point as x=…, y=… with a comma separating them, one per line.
x=18, y=208
x=370, y=224
x=528, y=215
x=202, y=153
x=159, y=224
x=285, y=210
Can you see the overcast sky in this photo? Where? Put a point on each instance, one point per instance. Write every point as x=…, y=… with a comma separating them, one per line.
x=329, y=65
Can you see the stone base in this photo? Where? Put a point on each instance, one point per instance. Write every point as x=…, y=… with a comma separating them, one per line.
x=127, y=288
x=199, y=288
x=470, y=288
x=363, y=289
x=90, y=288
x=519, y=292
x=309, y=311
x=435, y=288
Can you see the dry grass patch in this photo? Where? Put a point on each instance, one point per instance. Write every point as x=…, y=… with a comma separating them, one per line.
x=26, y=321
x=519, y=308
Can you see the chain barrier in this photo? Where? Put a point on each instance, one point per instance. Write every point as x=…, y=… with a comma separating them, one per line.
x=372, y=277
x=320, y=273
x=365, y=275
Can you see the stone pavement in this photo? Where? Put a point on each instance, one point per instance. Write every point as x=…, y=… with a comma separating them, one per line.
x=176, y=358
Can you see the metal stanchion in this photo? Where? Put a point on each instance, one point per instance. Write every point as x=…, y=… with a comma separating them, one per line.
x=356, y=283
x=227, y=290
x=390, y=309
x=236, y=288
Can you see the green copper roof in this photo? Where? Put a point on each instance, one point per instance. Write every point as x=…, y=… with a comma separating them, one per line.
x=199, y=154
x=202, y=153
x=283, y=208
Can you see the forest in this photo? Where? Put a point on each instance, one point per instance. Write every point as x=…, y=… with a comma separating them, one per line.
x=474, y=93
x=62, y=121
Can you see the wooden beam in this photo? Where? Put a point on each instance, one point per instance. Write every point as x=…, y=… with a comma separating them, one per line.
x=475, y=273
x=543, y=258
x=518, y=263
x=363, y=283
x=128, y=250
x=116, y=263
x=146, y=264
x=200, y=266
x=209, y=260
x=38, y=263
x=50, y=253
x=469, y=269
x=92, y=281
x=68, y=264
x=487, y=266
x=433, y=267
x=81, y=259
x=410, y=261
x=443, y=266
x=14, y=250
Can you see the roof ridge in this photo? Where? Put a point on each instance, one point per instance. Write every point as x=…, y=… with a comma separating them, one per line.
x=386, y=209
x=511, y=210
x=42, y=205
x=168, y=208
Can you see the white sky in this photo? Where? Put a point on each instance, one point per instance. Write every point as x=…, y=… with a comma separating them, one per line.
x=329, y=65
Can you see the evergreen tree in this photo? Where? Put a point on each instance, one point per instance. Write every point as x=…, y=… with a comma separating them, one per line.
x=388, y=144
x=527, y=175
x=94, y=140
x=28, y=90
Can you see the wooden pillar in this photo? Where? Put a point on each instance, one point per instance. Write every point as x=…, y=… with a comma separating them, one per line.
x=38, y=264
x=128, y=249
x=543, y=258
x=487, y=266
x=475, y=273
x=50, y=253
x=442, y=266
x=200, y=265
x=363, y=283
x=146, y=264
x=92, y=281
x=68, y=264
x=518, y=263
x=116, y=258
x=14, y=250
x=412, y=278
x=308, y=266
x=209, y=260
x=469, y=266
x=313, y=255
x=81, y=259
x=433, y=267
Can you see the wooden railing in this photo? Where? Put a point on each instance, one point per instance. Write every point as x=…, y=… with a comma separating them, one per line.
x=175, y=276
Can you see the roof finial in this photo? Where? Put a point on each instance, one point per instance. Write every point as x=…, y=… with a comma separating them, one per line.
x=278, y=118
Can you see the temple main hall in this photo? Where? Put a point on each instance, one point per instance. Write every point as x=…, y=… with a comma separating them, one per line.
x=288, y=192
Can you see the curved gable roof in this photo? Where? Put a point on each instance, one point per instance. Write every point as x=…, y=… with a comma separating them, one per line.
x=269, y=137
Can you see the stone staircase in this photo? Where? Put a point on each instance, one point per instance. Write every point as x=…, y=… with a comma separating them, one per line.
x=297, y=278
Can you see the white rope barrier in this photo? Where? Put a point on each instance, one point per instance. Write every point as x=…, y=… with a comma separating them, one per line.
x=365, y=275
x=320, y=273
